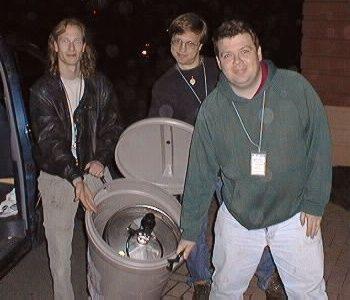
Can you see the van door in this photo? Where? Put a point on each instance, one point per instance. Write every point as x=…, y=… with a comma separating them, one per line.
x=16, y=162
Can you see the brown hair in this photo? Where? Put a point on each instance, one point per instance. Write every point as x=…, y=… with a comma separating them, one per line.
x=229, y=29
x=88, y=59
x=189, y=22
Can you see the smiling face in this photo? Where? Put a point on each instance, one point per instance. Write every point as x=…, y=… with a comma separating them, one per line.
x=185, y=49
x=239, y=60
x=70, y=46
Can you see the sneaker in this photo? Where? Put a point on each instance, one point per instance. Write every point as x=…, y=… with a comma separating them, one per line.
x=9, y=206
x=275, y=289
x=201, y=291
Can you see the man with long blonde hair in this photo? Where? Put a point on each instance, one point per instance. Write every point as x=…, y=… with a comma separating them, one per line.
x=75, y=123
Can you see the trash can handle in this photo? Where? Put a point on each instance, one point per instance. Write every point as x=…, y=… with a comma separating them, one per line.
x=172, y=261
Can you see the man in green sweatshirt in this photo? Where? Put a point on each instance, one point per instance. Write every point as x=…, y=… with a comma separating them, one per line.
x=265, y=131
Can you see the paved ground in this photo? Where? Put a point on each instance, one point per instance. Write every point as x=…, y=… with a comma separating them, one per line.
x=30, y=279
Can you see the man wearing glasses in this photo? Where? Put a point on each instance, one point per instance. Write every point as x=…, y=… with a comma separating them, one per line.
x=178, y=94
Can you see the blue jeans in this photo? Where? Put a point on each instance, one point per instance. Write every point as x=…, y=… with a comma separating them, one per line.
x=199, y=264
x=265, y=269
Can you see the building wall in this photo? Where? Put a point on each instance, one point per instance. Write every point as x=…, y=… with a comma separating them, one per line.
x=325, y=61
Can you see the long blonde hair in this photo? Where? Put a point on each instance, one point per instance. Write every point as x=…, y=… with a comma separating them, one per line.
x=88, y=59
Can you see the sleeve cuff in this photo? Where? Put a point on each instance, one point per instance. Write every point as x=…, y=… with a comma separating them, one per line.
x=313, y=209
x=77, y=179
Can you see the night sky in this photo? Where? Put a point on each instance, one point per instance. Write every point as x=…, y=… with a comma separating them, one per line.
x=120, y=31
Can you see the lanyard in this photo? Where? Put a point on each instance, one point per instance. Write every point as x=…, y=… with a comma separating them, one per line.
x=193, y=91
x=261, y=123
x=71, y=111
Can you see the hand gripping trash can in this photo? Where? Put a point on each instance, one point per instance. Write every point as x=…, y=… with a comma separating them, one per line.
x=136, y=228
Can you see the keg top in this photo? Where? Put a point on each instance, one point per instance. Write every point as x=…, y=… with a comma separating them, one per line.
x=142, y=233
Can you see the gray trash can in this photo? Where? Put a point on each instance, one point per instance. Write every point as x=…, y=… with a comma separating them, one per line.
x=136, y=228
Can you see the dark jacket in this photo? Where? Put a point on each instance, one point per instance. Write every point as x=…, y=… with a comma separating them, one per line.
x=97, y=120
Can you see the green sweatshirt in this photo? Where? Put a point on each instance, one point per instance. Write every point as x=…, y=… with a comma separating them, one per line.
x=295, y=138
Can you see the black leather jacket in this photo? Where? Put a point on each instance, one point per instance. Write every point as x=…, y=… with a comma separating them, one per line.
x=97, y=120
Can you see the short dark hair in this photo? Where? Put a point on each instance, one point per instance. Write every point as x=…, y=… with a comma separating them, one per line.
x=229, y=29
x=189, y=22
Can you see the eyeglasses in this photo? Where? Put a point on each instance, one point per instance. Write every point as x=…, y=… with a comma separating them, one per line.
x=189, y=44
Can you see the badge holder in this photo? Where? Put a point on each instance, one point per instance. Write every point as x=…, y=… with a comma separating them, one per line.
x=258, y=164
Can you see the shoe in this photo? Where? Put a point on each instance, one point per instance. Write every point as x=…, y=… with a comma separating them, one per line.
x=275, y=289
x=201, y=291
x=9, y=206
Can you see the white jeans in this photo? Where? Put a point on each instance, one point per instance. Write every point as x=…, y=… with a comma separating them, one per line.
x=237, y=252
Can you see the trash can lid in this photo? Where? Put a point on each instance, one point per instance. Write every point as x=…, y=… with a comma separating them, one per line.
x=142, y=232
x=155, y=150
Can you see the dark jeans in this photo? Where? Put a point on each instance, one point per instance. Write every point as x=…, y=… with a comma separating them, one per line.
x=265, y=269
x=198, y=263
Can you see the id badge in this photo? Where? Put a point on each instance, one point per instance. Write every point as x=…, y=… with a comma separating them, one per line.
x=258, y=164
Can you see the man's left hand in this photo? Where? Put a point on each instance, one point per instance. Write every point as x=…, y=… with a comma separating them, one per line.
x=313, y=224
x=95, y=168
x=84, y=195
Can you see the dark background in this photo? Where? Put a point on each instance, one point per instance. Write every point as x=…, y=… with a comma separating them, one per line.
x=121, y=30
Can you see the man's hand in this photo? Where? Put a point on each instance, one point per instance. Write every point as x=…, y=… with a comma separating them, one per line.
x=313, y=224
x=185, y=246
x=84, y=195
x=95, y=168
